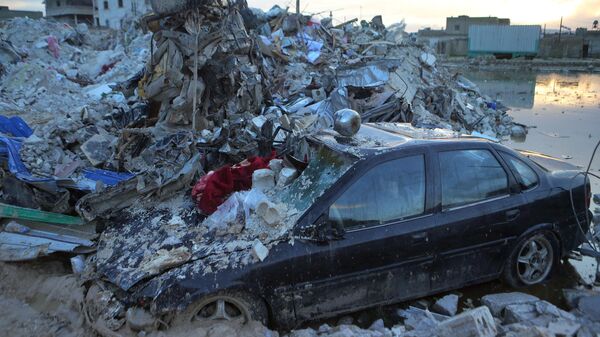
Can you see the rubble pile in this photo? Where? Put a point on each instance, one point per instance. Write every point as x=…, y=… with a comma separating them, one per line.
x=217, y=64
x=219, y=81
x=185, y=151
x=57, y=66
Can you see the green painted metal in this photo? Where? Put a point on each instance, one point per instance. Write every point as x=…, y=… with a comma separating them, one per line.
x=15, y=212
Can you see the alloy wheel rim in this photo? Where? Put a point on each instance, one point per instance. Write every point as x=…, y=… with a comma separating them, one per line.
x=535, y=260
x=222, y=308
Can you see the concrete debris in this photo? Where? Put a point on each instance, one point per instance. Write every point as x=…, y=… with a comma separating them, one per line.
x=497, y=302
x=139, y=319
x=590, y=307
x=263, y=179
x=473, y=323
x=286, y=176
x=260, y=251
x=447, y=305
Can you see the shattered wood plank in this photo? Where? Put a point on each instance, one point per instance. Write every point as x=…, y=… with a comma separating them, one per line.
x=15, y=212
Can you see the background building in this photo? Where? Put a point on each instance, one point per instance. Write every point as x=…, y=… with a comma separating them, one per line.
x=110, y=13
x=70, y=11
x=453, y=40
x=6, y=13
x=460, y=25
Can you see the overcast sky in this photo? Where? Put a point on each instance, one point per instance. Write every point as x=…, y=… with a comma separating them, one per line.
x=429, y=13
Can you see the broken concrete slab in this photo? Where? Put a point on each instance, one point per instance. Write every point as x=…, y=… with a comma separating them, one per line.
x=590, y=307
x=497, y=302
x=564, y=328
x=572, y=296
x=99, y=148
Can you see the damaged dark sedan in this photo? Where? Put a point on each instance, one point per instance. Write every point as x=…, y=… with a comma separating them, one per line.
x=391, y=214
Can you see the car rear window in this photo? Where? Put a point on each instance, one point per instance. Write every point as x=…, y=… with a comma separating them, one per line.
x=525, y=175
x=394, y=190
x=470, y=176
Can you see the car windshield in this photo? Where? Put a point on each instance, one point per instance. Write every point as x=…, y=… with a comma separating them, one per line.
x=324, y=169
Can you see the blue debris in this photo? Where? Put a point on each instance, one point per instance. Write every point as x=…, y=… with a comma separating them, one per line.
x=492, y=105
x=15, y=126
x=9, y=151
x=109, y=178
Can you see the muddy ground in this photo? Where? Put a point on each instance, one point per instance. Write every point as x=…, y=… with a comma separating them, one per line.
x=43, y=298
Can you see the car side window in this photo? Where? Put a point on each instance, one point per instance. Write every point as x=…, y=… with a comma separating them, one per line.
x=469, y=176
x=525, y=175
x=394, y=190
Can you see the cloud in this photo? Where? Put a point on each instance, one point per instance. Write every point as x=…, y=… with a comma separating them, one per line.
x=29, y=5
x=427, y=13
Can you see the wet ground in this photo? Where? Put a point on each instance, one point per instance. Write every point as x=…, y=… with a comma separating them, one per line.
x=563, y=111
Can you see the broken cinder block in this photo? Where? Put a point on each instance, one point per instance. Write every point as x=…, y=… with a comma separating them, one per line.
x=263, y=179
x=473, y=323
x=269, y=212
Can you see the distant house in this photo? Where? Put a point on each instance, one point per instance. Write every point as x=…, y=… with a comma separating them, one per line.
x=460, y=25
x=591, y=42
x=6, y=13
x=110, y=13
x=70, y=11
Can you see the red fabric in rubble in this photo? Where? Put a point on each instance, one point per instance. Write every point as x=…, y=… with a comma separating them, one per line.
x=214, y=188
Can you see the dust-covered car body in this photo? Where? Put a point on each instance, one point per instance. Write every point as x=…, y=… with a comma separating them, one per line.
x=403, y=215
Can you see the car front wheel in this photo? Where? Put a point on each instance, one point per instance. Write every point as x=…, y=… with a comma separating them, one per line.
x=232, y=307
x=532, y=261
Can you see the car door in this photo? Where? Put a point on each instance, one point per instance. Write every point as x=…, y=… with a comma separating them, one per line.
x=385, y=253
x=479, y=210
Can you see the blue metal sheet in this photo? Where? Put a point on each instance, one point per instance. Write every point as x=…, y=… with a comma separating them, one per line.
x=109, y=178
x=15, y=126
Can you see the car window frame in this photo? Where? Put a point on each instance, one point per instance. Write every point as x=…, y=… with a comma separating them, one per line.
x=320, y=206
x=425, y=213
x=516, y=173
x=467, y=147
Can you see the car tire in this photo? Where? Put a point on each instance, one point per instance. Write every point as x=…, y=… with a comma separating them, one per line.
x=232, y=306
x=533, y=260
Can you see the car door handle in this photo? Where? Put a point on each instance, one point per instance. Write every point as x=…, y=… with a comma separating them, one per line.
x=420, y=238
x=512, y=215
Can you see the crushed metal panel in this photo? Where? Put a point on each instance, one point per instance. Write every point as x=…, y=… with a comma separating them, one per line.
x=370, y=76
x=14, y=253
x=26, y=241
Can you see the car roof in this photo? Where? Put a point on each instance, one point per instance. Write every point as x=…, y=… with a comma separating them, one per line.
x=374, y=138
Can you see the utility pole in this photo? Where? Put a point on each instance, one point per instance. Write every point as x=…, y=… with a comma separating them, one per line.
x=297, y=6
x=560, y=29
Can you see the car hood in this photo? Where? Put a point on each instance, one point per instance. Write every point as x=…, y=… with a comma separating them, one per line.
x=144, y=242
